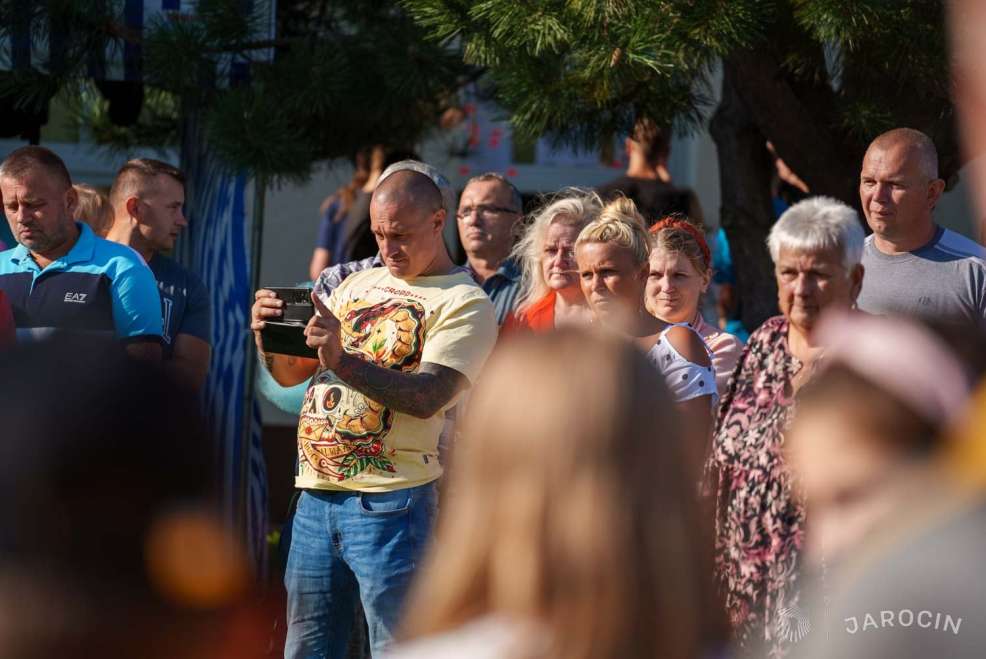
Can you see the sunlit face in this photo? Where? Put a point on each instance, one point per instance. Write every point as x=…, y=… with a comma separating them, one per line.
x=408, y=238
x=674, y=286
x=897, y=197
x=808, y=283
x=486, y=217
x=40, y=210
x=161, y=217
x=843, y=473
x=612, y=281
x=558, y=265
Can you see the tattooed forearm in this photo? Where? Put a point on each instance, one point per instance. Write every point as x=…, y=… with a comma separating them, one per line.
x=420, y=394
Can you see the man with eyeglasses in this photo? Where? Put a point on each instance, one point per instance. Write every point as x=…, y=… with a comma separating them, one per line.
x=490, y=209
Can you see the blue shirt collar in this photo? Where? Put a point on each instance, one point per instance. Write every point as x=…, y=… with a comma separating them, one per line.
x=81, y=251
x=509, y=270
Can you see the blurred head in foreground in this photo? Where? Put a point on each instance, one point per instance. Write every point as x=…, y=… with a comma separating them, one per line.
x=571, y=516
x=109, y=541
x=867, y=427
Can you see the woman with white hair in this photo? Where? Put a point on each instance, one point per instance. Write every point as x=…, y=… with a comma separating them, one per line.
x=549, y=290
x=816, y=246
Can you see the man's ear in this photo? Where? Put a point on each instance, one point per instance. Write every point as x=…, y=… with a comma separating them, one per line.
x=71, y=201
x=856, y=278
x=133, y=207
x=439, y=219
x=935, y=190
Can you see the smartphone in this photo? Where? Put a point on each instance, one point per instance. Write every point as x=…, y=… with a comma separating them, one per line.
x=286, y=336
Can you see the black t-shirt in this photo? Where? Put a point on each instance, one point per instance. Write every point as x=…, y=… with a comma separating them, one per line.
x=654, y=198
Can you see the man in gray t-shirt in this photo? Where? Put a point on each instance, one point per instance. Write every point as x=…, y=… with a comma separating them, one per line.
x=913, y=266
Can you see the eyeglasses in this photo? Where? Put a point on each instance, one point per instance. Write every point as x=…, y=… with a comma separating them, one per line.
x=483, y=210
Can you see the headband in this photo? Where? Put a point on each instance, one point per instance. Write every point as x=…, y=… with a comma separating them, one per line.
x=901, y=357
x=678, y=223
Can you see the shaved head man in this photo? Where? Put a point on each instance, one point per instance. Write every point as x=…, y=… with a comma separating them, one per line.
x=395, y=347
x=913, y=266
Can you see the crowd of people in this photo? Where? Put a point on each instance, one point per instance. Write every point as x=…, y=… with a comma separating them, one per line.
x=619, y=475
x=588, y=281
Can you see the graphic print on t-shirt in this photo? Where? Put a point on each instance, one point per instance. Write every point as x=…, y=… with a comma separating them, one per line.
x=341, y=432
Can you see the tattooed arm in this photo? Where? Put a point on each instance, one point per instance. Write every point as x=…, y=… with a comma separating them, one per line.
x=422, y=394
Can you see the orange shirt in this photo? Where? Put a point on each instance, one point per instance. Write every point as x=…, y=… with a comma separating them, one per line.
x=538, y=317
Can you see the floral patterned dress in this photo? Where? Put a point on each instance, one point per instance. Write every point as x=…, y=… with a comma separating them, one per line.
x=758, y=521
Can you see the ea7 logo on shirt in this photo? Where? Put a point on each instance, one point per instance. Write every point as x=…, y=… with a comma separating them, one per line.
x=77, y=298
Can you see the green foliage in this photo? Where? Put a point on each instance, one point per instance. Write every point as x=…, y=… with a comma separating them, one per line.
x=344, y=74
x=580, y=70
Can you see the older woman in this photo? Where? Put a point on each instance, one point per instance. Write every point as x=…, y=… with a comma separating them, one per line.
x=612, y=253
x=816, y=247
x=680, y=271
x=549, y=291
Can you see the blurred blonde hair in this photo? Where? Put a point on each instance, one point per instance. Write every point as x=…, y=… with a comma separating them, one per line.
x=94, y=209
x=620, y=222
x=572, y=207
x=573, y=508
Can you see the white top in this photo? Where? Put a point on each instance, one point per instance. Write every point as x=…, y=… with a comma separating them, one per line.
x=489, y=637
x=685, y=379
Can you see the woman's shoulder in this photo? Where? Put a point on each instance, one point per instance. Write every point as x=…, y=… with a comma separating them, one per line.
x=687, y=343
x=769, y=331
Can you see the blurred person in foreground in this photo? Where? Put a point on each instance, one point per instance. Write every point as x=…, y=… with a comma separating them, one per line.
x=148, y=198
x=396, y=346
x=490, y=208
x=913, y=265
x=892, y=538
x=333, y=211
x=112, y=544
x=612, y=255
x=570, y=535
x=816, y=247
x=62, y=278
x=550, y=294
x=680, y=272
x=94, y=209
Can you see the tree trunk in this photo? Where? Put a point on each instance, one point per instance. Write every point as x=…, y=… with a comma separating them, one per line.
x=746, y=214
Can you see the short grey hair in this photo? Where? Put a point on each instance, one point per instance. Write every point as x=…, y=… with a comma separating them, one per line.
x=816, y=224
x=515, y=197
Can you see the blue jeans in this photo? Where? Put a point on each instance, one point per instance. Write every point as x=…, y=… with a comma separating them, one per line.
x=346, y=545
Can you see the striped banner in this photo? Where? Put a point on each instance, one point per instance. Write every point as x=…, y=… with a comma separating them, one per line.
x=216, y=247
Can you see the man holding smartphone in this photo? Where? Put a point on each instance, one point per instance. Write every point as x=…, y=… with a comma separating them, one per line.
x=396, y=347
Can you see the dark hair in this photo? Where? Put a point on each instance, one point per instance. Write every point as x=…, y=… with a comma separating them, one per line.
x=27, y=158
x=654, y=141
x=142, y=168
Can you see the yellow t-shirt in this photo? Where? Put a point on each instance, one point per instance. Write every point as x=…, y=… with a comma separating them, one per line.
x=346, y=441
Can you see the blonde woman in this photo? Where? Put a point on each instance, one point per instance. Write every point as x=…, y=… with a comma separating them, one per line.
x=550, y=294
x=94, y=209
x=570, y=535
x=680, y=272
x=612, y=254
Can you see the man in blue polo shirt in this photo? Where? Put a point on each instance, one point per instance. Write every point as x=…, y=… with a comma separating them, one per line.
x=61, y=277
x=147, y=198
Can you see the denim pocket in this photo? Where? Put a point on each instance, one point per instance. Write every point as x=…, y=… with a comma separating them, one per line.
x=385, y=503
